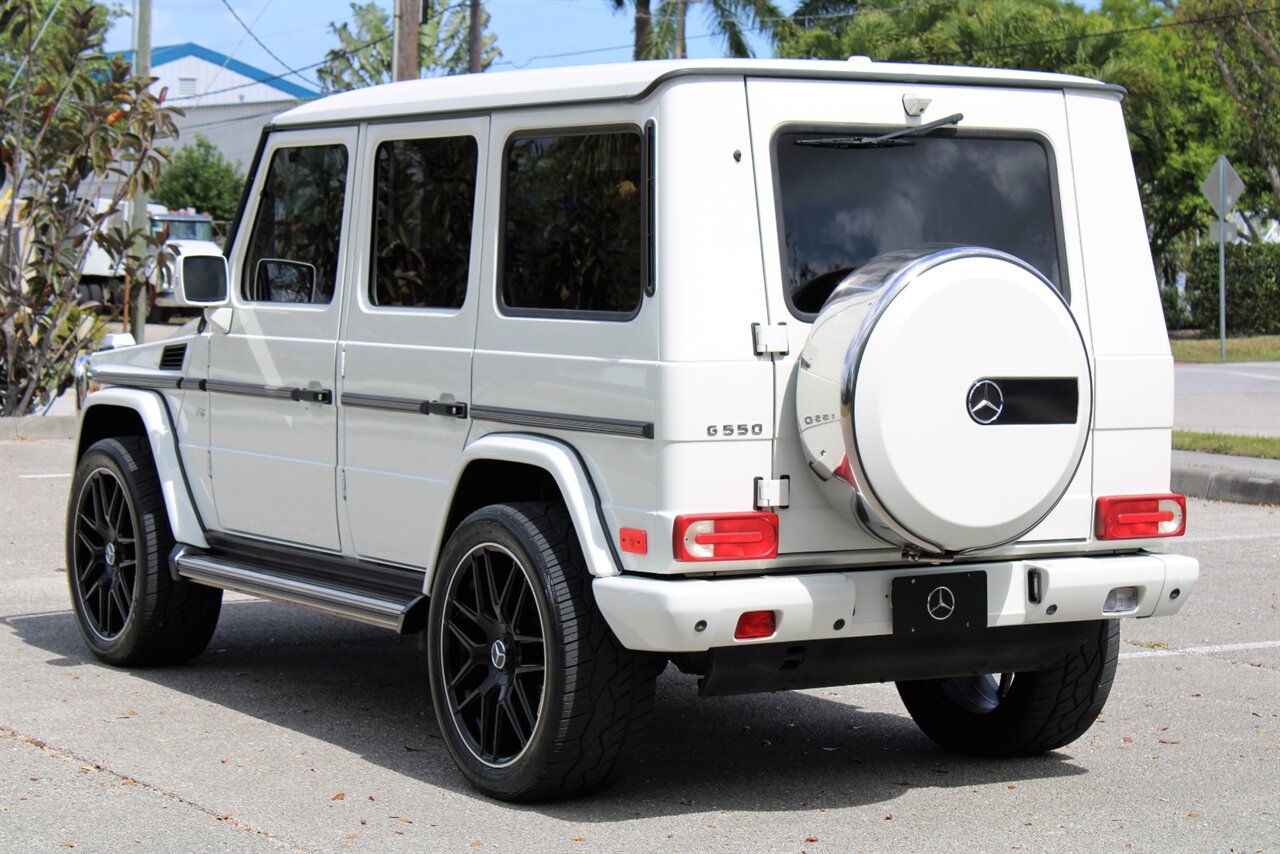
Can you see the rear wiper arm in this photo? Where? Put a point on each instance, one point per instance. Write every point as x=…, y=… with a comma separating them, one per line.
x=891, y=138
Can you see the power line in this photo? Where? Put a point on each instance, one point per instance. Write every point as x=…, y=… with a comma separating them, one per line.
x=260, y=44
x=344, y=53
x=328, y=58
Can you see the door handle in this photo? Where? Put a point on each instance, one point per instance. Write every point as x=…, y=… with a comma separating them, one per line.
x=312, y=395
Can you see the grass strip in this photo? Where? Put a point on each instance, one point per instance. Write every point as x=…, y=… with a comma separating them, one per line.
x=1267, y=447
x=1256, y=348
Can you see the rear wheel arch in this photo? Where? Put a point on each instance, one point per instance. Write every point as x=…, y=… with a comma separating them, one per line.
x=501, y=468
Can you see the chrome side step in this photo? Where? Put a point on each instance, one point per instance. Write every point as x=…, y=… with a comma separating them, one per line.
x=378, y=607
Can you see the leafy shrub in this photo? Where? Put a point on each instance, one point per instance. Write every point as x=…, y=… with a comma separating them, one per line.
x=1253, y=288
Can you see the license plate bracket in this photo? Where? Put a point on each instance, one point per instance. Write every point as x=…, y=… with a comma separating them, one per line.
x=936, y=604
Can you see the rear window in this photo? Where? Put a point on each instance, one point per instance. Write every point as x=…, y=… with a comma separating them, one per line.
x=573, y=225
x=841, y=207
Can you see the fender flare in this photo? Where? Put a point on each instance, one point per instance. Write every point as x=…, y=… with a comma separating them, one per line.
x=154, y=413
x=568, y=469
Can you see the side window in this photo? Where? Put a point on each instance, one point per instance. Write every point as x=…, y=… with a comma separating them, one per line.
x=424, y=196
x=573, y=236
x=293, y=251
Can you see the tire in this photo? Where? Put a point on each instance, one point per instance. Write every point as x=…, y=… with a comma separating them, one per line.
x=1039, y=711
x=130, y=611
x=534, y=695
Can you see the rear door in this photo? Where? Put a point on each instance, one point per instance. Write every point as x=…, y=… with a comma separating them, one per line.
x=826, y=210
x=406, y=351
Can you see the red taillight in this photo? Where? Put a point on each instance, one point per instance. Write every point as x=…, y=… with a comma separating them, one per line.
x=755, y=624
x=1134, y=517
x=726, y=536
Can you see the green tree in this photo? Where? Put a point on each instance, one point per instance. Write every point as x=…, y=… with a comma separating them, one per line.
x=1178, y=117
x=1243, y=43
x=364, y=56
x=201, y=178
x=78, y=134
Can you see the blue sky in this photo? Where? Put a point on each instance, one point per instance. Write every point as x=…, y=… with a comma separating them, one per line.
x=531, y=33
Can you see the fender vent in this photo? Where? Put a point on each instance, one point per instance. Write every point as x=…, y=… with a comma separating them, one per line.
x=172, y=357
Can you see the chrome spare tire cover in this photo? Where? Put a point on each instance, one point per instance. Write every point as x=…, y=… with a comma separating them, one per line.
x=944, y=397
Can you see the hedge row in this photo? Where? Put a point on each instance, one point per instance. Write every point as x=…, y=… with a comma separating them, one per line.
x=1253, y=288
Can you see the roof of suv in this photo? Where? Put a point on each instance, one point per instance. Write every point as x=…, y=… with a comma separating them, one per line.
x=632, y=81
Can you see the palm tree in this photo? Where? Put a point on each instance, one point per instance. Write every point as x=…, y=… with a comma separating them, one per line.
x=661, y=35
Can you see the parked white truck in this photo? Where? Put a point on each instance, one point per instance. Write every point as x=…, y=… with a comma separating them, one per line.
x=184, y=231
x=791, y=373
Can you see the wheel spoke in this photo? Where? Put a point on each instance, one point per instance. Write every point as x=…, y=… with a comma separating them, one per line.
x=104, y=609
x=86, y=541
x=519, y=691
x=118, y=601
x=467, y=700
x=471, y=615
x=125, y=589
x=505, y=595
x=462, y=672
x=509, y=712
x=527, y=639
x=116, y=508
x=525, y=669
x=471, y=646
x=491, y=585
x=517, y=610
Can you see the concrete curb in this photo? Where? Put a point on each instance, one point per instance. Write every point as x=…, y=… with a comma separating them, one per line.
x=1236, y=487
x=39, y=427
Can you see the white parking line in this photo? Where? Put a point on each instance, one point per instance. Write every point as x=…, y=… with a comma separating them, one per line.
x=1202, y=650
x=37, y=476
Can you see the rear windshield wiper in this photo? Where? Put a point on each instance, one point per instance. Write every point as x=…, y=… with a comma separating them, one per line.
x=892, y=138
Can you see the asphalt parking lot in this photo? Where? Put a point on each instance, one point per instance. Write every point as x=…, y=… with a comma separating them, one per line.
x=295, y=731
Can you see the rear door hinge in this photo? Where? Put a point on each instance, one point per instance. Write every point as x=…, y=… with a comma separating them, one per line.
x=773, y=493
x=770, y=340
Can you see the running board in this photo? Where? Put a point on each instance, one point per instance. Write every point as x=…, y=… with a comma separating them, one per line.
x=396, y=610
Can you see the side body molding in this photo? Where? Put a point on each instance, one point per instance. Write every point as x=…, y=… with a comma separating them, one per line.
x=154, y=414
x=566, y=467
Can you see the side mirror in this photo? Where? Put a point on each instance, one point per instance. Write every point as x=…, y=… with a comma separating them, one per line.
x=201, y=281
x=282, y=280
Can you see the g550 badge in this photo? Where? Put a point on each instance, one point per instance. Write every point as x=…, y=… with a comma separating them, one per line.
x=734, y=431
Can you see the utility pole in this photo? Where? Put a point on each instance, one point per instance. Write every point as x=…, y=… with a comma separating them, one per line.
x=474, y=46
x=138, y=222
x=405, y=40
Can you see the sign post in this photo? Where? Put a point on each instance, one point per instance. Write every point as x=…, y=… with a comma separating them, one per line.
x=1222, y=187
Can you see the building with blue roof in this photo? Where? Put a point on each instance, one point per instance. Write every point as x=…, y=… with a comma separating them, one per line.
x=224, y=99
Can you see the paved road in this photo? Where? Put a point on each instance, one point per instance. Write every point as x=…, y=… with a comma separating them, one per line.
x=299, y=732
x=1241, y=398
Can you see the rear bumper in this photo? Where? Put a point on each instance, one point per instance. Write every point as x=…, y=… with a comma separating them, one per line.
x=695, y=615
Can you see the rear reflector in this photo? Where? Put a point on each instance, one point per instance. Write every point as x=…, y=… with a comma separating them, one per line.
x=726, y=536
x=755, y=624
x=1134, y=517
x=633, y=540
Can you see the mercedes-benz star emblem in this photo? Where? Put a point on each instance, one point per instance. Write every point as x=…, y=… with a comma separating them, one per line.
x=498, y=654
x=941, y=603
x=986, y=401
x=110, y=555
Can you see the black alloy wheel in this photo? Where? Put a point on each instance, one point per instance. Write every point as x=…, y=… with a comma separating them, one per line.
x=128, y=607
x=534, y=695
x=493, y=655
x=104, y=567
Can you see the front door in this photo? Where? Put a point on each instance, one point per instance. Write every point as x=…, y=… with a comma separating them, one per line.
x=273, y=421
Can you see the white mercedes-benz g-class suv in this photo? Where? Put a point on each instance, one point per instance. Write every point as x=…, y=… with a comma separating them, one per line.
x=793, y=374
